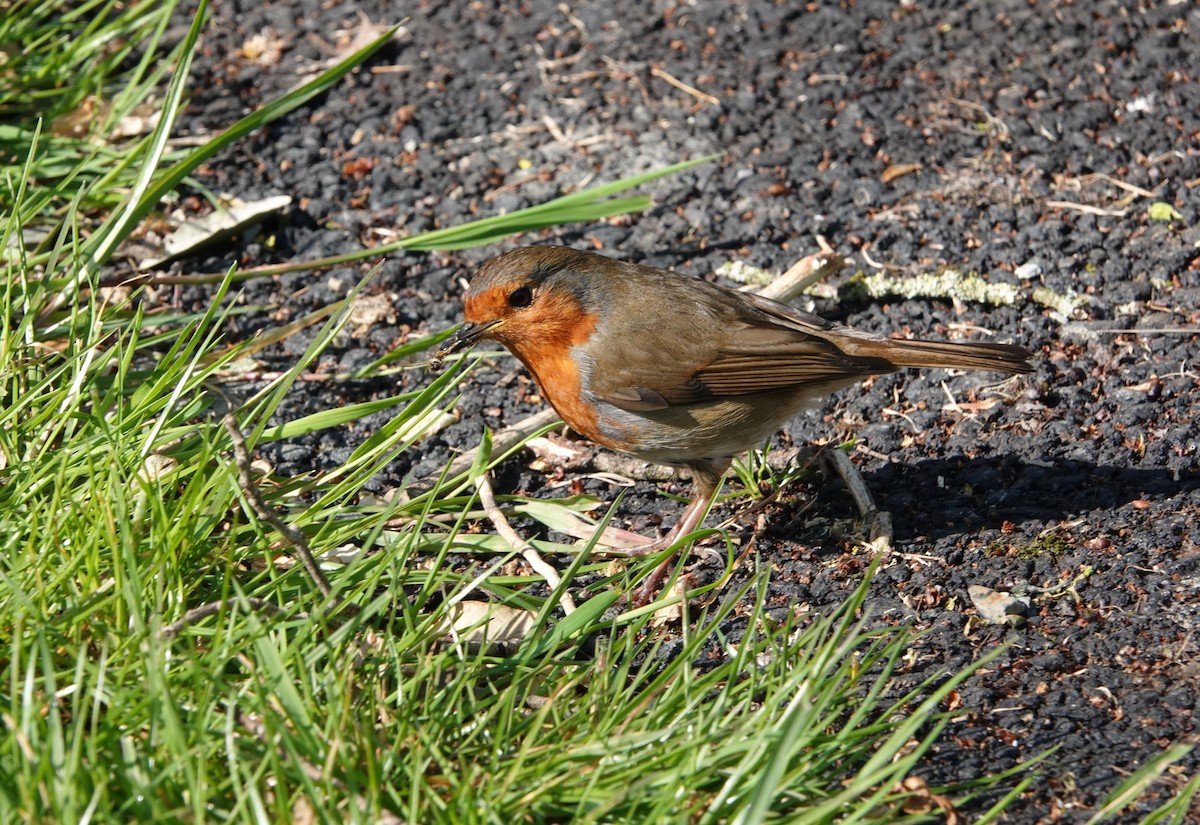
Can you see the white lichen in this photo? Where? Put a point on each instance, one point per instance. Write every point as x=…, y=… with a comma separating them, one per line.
x=949, y=284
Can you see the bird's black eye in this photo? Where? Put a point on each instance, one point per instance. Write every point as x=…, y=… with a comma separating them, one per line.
x=521, y=297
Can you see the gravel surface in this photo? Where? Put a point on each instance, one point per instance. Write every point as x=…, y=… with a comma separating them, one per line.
x=1025, y=141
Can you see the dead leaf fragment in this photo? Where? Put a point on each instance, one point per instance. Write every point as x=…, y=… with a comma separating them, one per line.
x=922, y=800
x=485, y=624
x=368, y=310
x=155, y=467
x=672, y=611
x=899, y=170
x=264, y=48
x=234, y=217
x=972, y=407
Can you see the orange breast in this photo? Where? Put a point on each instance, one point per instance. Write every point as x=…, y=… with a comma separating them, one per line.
x=545, y=349
x=559, y=379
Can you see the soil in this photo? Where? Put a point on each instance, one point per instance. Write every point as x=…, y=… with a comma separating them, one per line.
x=1053, y=146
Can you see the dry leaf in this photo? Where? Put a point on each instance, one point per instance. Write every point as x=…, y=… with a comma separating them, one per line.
x=921, y=800
x=898, y=170
x=672, y=612
x=482, y=624
x=196, y=233
x=369, y=310
x=971, y=406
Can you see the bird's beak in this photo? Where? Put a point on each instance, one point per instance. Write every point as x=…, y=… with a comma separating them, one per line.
x=467, y=336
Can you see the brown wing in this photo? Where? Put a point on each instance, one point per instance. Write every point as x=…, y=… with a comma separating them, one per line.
x=734, y=346
x=760, y=359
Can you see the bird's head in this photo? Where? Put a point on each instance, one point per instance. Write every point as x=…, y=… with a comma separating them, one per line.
x=537, y=301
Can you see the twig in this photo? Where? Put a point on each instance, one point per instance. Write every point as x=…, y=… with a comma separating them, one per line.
x=704, y=97
x=993, y=121
x=1087, y=210
x=627, y=466
x=638, y=470
x=879, y=521
x=870, y=262
x=865, y=450
x=555, y=130
x=809, y=270
x=207, y=609
x=622, y=71
x=290, y=534
x=1120, y=184
x=502, y=442
x=539, y=565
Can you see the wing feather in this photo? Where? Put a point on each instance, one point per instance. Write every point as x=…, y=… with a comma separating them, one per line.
x=728, y=348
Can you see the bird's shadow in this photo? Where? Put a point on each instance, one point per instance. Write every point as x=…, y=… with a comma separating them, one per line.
x=940, y=497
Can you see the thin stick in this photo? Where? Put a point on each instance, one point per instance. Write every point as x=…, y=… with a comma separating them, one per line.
x=879, y=521
x=1120, y=184
x=1086, y=209
x=207, y=609
x=809, y=270
x=290, y=534
x=539, y=565
x=705, y=97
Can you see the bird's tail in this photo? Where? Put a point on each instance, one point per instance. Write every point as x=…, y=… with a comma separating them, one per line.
x=959, y=356
x=951, y=355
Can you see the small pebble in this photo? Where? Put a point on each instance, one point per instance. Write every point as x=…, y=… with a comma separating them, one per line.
x=1028, y=271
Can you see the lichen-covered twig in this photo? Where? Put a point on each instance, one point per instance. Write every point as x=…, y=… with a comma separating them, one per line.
x=948, y=284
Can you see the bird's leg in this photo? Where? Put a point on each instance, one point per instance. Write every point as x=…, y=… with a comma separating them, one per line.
x=625, y=543
x=707, y=480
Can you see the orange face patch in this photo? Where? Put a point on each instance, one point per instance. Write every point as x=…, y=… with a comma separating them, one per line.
x=542, y=336
x=486, y=306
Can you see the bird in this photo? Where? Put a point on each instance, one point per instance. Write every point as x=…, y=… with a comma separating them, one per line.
x=677, y=370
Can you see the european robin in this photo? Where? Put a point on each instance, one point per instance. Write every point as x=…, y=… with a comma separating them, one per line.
x=676, y=370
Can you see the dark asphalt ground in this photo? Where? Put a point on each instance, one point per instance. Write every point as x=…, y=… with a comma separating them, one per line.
x=1025, y=141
